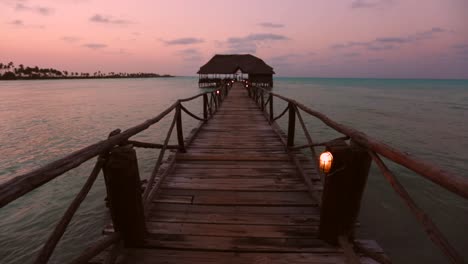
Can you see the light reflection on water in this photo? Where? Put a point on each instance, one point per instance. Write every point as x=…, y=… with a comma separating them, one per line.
x=45, y=120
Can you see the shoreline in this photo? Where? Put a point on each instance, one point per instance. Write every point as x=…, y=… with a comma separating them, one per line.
x=93, y=77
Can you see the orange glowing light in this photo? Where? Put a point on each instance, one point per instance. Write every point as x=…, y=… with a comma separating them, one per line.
x=326, y=160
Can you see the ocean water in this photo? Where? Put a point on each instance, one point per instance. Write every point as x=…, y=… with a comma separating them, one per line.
x=44, y=120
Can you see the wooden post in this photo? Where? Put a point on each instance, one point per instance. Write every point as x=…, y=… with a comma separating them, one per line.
x=343, y=189
x=262, y=102
x=180, y=133
x=124, y=195
x=291, y=124
x=205, y=106
x=271, y=108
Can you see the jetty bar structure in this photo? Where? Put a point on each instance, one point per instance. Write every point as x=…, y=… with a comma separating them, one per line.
x=237, y=189
x=233, y=67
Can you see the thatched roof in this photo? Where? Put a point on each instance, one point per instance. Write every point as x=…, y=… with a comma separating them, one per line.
x=228, y=64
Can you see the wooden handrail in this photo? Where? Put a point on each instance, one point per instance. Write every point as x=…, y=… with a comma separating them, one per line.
x=448, y=180
x=453, y=183
x=23, y=184
x=59, y=230
x=431, y=229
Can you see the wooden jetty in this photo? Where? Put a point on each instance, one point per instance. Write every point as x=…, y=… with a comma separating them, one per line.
x=236, y=190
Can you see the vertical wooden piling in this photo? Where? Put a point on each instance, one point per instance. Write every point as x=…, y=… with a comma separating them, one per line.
x=271, y=108
x=291, y=124
x=205, y=106
x=124, y=195
x=262, y=103
x=343, y=190
x=180, y=133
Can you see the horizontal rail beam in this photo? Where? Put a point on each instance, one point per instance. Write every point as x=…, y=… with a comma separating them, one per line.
x=22, y=184
x=431, y=229
x=139, y=144
x=448, y=180
x=96, y=248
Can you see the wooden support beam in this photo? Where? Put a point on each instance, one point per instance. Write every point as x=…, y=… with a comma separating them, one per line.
x=342, y=193
x=124, y=195
x=262, y=103
x=271, y=107
x=180, y=134
x=291, y=124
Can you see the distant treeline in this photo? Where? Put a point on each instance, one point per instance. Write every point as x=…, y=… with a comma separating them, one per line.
x=8, y=71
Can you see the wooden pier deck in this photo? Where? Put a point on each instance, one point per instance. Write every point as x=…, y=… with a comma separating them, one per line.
x=235, y=196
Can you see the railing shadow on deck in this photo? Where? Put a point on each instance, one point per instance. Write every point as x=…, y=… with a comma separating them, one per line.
x=23, y=184
x=375, y=150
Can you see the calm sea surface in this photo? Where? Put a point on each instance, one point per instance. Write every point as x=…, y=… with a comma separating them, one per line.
x=41, y=121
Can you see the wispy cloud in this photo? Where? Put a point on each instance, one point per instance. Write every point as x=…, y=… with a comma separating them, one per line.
x=45, y=11
x=95, y=46
x=460, y=46
x=351, y=54
x=369, y=3
x=17, y=22
x=190, y=54
x=98, y=18
x=461, y=49
x=375, y=60
x=183, y=41
x=271, y=25
x=21, y=24
x=388, y=43
x=250, y=43
x=70, y=39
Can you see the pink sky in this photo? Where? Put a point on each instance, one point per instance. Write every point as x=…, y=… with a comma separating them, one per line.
x=355, y=38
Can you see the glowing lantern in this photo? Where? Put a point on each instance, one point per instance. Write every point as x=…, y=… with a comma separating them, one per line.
x=326, y=160
x=247, y=85
x=217, y=92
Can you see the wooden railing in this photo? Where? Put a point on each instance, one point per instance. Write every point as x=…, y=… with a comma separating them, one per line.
x=375, y=150
x=23, y=184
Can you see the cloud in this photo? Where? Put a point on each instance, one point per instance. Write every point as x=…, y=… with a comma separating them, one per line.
x=375, y=60
x=70, y=39
x=389, y=43
x=45, y=11
x=20, y=23
x=95, y=46
x=392, y=40
x=183, y=41
x=351, y=54
x=17, y=22
x=251, y=42
x=97, y=18
x=271, y=25
x=369, y=3
x=460, y=46
x=190, y=54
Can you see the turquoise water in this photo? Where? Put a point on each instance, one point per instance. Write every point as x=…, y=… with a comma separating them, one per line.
x=44, y=120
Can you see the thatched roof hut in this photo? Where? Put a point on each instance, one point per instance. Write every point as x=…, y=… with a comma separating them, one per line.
x=235, y=66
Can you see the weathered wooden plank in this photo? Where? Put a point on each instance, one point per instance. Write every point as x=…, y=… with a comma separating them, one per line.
x=178, y=199
x=230, y=217
x=243, y=197
x=234, y=184
x=233, y=230
x=252, y=244
x=282, y=210
x=147, y=256
x=207, y=157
